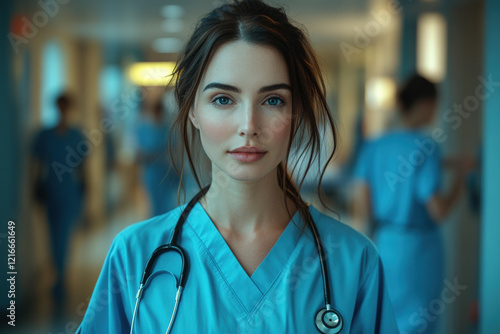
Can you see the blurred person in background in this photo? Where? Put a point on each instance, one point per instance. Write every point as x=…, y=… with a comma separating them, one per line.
x=59, y=155
x=158, y=176
x=112, y=182
x=474, y=183
x=398, y=177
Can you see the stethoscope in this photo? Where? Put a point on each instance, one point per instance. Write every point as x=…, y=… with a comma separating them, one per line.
x=327, y=320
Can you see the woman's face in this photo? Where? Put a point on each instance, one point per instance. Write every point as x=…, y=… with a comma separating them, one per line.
x=243, y=110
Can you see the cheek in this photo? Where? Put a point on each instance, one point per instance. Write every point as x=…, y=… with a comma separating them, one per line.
x=277, y=130
x=214, y=131
x=283, y=134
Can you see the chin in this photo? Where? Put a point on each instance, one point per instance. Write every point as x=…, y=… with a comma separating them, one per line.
x=249, y=174
x=228, y=170
x=248, y=177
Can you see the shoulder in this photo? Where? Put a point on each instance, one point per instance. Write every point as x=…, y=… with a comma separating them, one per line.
x=152, y=231
x=411, y=136
x=371, y=144
x=406, y=140
x=330, y=226
x=41, y=134
x=378, y=138
x=344, y=241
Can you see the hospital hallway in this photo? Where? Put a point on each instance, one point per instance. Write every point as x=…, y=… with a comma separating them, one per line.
x=86, y=255
x=88, y=110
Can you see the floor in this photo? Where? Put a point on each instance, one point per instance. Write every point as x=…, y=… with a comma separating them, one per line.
x=89, y=247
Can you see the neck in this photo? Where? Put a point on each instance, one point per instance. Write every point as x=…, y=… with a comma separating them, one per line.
x=412, y=121
x=247, y=206
x=61, y=127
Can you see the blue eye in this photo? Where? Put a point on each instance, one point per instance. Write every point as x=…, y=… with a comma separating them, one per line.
x=222, y=100
x=274, y=101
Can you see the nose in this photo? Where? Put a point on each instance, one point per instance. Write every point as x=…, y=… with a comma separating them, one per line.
x=249, y=126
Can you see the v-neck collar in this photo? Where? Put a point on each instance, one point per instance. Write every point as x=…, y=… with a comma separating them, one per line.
x=249, y=289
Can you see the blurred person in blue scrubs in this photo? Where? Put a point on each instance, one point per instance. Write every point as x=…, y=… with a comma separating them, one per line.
x=111, y=178
x=59, y=155
x=474, y=183
x=398, y=199
x=249, y=88
x=158, y=175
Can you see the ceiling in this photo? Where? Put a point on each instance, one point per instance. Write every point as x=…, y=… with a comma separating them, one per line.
x=139, y=22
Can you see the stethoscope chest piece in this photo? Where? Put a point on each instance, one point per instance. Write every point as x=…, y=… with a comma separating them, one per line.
x=329, y=321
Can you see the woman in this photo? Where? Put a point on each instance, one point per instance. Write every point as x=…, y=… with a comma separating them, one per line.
x=398, y=187
x=248, y=87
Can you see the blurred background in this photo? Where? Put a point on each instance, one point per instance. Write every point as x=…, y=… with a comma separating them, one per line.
x=95, y=70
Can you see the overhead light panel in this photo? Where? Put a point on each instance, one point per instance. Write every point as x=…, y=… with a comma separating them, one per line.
x=431, y=46
x=151, y=73
x=172, y=11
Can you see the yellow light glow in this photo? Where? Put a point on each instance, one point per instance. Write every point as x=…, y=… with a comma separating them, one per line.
x=151, y=74
x=380, y=100
x=380, y=93
x=431, y=46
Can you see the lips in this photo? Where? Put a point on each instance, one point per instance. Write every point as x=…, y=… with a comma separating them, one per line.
x=248, y=153
x=248, y=149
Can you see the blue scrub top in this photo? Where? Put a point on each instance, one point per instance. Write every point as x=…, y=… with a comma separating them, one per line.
x=61, y=156
x=403, y=170
x=283, y=295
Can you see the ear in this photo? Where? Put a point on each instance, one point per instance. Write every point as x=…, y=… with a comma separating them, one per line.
x=194, y=121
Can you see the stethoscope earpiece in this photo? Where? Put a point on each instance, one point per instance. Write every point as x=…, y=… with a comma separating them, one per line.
x=329, y=321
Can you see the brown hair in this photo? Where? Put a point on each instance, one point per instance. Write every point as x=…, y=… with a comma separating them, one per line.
x=256, y=22
x=415, y=89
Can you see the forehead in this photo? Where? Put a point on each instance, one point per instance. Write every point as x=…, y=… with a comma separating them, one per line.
x=245, y=64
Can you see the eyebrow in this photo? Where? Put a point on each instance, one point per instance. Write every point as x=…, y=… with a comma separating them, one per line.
x=218, y=85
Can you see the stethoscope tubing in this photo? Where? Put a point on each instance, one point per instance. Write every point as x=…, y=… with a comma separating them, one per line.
x=170, y=246
x=173, y=246
x=322, y=261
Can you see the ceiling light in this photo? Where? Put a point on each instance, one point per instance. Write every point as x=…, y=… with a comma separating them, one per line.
x=172, y=11
x=151, y=74
x=431, y=46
